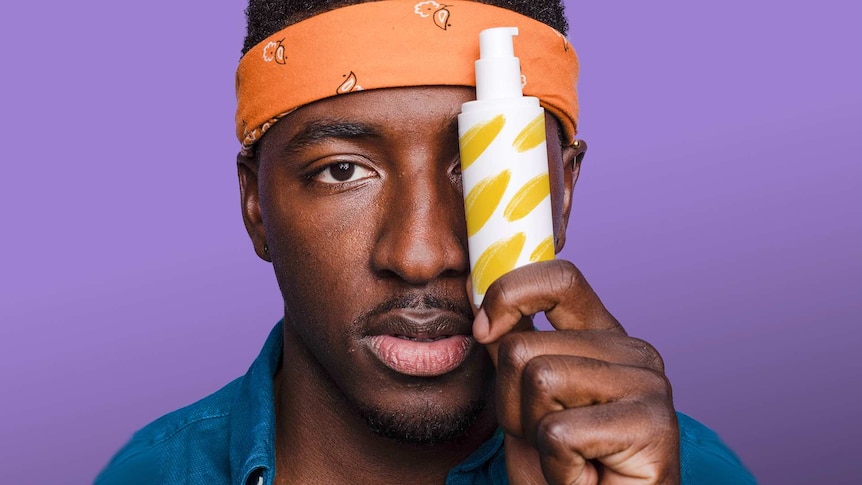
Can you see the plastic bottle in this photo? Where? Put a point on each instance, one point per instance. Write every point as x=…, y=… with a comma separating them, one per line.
x=504, y=165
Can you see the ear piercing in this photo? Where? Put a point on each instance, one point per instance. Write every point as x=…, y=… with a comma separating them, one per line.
x=265, y=248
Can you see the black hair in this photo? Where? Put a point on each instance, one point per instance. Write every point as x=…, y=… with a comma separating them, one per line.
x=266, y=17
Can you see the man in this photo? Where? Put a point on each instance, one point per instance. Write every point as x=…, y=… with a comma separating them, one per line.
x=382, y=370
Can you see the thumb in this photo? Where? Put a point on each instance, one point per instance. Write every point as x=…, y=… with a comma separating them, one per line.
x=482, y=325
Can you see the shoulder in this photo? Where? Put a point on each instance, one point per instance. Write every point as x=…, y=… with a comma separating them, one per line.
x=705, y=459
x=189, y=445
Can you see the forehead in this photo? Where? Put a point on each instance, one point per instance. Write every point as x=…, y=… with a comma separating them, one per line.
x=406, y=112
x=404, y=107
x=393, y=111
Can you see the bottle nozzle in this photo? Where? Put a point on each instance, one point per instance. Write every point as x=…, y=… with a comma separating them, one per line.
x=498, y=71
x=497, y=42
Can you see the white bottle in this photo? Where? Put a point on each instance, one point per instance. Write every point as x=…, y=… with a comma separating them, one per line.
x=504, y=165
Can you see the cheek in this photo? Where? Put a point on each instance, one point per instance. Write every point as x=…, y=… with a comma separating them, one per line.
x=320, y=249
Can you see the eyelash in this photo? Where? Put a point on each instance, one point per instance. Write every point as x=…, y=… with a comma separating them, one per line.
x=316, y=176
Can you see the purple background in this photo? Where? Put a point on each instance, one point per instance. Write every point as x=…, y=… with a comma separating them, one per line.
x=717, y=215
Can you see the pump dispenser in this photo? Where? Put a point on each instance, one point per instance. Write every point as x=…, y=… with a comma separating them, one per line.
x=504, y=166
x=498, y=71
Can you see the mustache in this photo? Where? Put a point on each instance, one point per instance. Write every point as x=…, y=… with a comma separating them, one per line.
x=426, y=301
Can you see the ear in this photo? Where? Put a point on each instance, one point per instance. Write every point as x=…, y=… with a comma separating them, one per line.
x=250, y=201
x=572, y=157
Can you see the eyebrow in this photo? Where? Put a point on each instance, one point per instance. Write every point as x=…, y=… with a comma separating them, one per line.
x=320, y=130
x=450, y=127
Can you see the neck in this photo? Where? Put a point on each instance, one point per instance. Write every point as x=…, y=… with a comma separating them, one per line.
x=320, y=438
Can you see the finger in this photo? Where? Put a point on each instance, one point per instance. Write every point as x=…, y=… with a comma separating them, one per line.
x=493, y=348
x=522, y=462
x=481, y=326
x=517, y=350
x=554, y=383
x=556, y=287
x=633, y=442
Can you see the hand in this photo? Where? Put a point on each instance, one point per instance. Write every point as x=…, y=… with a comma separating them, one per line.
x=586, y=404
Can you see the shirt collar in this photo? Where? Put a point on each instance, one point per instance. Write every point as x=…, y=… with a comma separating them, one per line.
x=482, y=455
x=252, y=423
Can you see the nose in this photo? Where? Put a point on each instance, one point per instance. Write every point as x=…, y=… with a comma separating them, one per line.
x=424, y=235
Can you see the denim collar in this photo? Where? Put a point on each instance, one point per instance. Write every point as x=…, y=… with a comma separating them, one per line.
x=252, y=424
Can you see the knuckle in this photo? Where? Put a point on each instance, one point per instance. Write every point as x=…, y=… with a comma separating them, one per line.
x=505, y=290
x=664, y=386
x=662, y=418
x=514, y=351
x=657, y=417
x=567, y=274
x=497, y=291
x=657, y=384
x=539, y=377
x=649, y=356
x=504, y=293
x=551, y=434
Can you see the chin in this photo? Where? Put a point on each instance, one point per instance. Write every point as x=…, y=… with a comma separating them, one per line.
x=424, y=424
x=429, y=410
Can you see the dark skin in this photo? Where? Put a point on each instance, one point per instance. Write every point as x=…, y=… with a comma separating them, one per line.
x=370, y=208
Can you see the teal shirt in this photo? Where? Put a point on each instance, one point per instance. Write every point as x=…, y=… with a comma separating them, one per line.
x=229, y=438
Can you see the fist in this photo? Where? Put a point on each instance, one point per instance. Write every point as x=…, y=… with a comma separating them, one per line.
x=586, y=404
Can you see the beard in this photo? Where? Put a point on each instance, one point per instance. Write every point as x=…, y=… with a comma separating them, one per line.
x=415, y=421
x=426, y=425
x=422, y=423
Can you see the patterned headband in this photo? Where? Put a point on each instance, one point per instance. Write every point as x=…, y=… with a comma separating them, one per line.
x=395, y=43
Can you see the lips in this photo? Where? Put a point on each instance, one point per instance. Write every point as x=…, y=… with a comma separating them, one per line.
x=421, y=343
x=422, y=340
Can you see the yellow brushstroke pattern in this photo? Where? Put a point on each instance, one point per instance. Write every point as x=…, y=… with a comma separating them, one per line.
x=478, y=138
x=483, y=200
x=527, y=198
x=497, y=260
x=532, y=135
x=544, y=251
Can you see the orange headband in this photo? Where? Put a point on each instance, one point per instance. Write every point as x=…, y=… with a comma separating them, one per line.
x=395, y=43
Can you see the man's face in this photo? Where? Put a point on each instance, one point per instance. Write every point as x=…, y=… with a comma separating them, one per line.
x=361, y=206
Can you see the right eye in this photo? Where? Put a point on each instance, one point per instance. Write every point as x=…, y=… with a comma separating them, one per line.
x=342, y=172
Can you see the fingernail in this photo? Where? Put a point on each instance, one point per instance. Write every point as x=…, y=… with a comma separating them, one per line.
x=481, y=326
